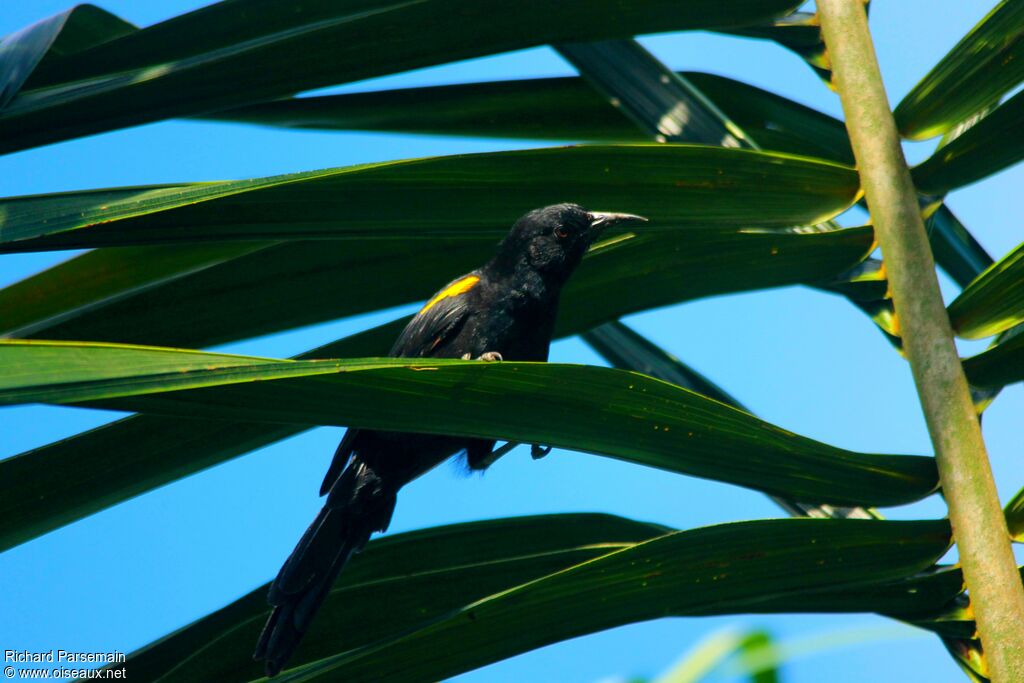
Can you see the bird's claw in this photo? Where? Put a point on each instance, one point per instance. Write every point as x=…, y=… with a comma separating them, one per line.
x=537, y=451
x=488, y=357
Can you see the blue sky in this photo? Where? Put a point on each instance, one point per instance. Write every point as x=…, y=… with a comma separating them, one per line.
x=802, y=359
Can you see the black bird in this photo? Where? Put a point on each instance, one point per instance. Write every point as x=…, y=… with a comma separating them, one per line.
x=503, y=310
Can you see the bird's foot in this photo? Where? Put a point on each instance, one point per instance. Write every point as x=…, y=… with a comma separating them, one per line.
x=537, y=451
x=488, y=357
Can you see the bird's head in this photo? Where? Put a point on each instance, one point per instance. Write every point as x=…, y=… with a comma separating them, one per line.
x=552, y=240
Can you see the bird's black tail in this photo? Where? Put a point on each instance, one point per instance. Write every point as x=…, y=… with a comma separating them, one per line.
x=360, y=502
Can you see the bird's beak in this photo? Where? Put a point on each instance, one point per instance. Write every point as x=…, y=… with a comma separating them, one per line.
x=600, y=220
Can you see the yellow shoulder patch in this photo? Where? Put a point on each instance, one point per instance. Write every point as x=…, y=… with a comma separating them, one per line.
x=460, y=286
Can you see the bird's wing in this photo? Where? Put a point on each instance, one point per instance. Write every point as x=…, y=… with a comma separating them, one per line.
x=438, y=321
x=341, y=458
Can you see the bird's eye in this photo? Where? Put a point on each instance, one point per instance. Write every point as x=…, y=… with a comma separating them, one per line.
x=561, y=232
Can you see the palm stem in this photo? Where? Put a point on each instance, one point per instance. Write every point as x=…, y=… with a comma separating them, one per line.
x=997, y=596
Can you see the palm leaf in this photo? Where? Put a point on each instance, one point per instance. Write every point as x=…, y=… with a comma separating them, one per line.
x=989, y=146
x=980, y=69
x=56, y=484
x=63, y=34
x=465, y=196
x=535, y=109
x=625, y=349
x=722, y=569
x=234, y=53
x=428, y=578
x=512, y=401
x=1015, y=516
x=420, y=575
x=999, y=365
x=994, y=302
x=799, y=32
x=270, y=289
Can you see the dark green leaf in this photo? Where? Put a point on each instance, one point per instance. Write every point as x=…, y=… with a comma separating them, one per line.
x=625, y=349
x=235, y=53
x=419, y=576
x=987, y=147
x=722, y=569
x=47, y=487
x=640, y=420
x=225, y=292
x=775, y=122
x=290, y=285
x=69, y=32
x=465, y=196
x=55, y=484
x=956, y=250
x=999, y=365
x=994, y=302
x=1015, y=516
x=660, y=102
x=799, y=32
x=101, y=277
x=980, y=69
x=424, y=575
x=922, y=599
x=535, y=109
x=669, y=107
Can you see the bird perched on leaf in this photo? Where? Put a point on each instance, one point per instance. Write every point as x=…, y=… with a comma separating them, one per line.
x=502, y=310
